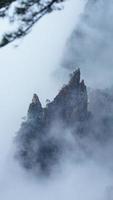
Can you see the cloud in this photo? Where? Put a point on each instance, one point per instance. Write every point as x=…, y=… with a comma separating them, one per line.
x=90, y=44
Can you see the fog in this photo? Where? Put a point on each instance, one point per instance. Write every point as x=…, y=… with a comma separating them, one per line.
x=34, y=66
x=90, y=44
x=87, y=181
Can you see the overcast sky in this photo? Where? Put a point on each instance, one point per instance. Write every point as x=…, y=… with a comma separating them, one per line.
x=31, y=67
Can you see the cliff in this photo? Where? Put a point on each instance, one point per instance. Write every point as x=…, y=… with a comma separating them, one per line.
x=69, y=105
x=39, y=140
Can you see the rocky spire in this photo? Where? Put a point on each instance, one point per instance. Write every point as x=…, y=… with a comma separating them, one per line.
x=75, y=78
x=69, y=107
x=35, y=109
x=35, y=99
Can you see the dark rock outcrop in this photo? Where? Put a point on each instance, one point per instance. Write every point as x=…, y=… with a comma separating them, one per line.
x=35, y=110
x=38, y=145
x=65, y=125
x=69, y=105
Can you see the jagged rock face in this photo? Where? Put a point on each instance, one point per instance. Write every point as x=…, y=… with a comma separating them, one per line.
x=35, y=110
x=70, y=105
x=42, y=138
x=71, y=102
x=37, y=147
x=50, y=132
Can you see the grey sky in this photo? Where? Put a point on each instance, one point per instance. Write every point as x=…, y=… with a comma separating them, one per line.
x=31, y=68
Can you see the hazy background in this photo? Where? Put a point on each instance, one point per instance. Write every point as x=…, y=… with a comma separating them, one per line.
x=90, y=45
x=34, y=67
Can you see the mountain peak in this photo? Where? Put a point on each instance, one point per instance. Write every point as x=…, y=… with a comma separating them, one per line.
x=37, y=146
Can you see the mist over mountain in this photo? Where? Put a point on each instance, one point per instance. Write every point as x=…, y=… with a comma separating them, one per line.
x=64, y=147
x=42, y=138
x=70, y=124
x=75, y=129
